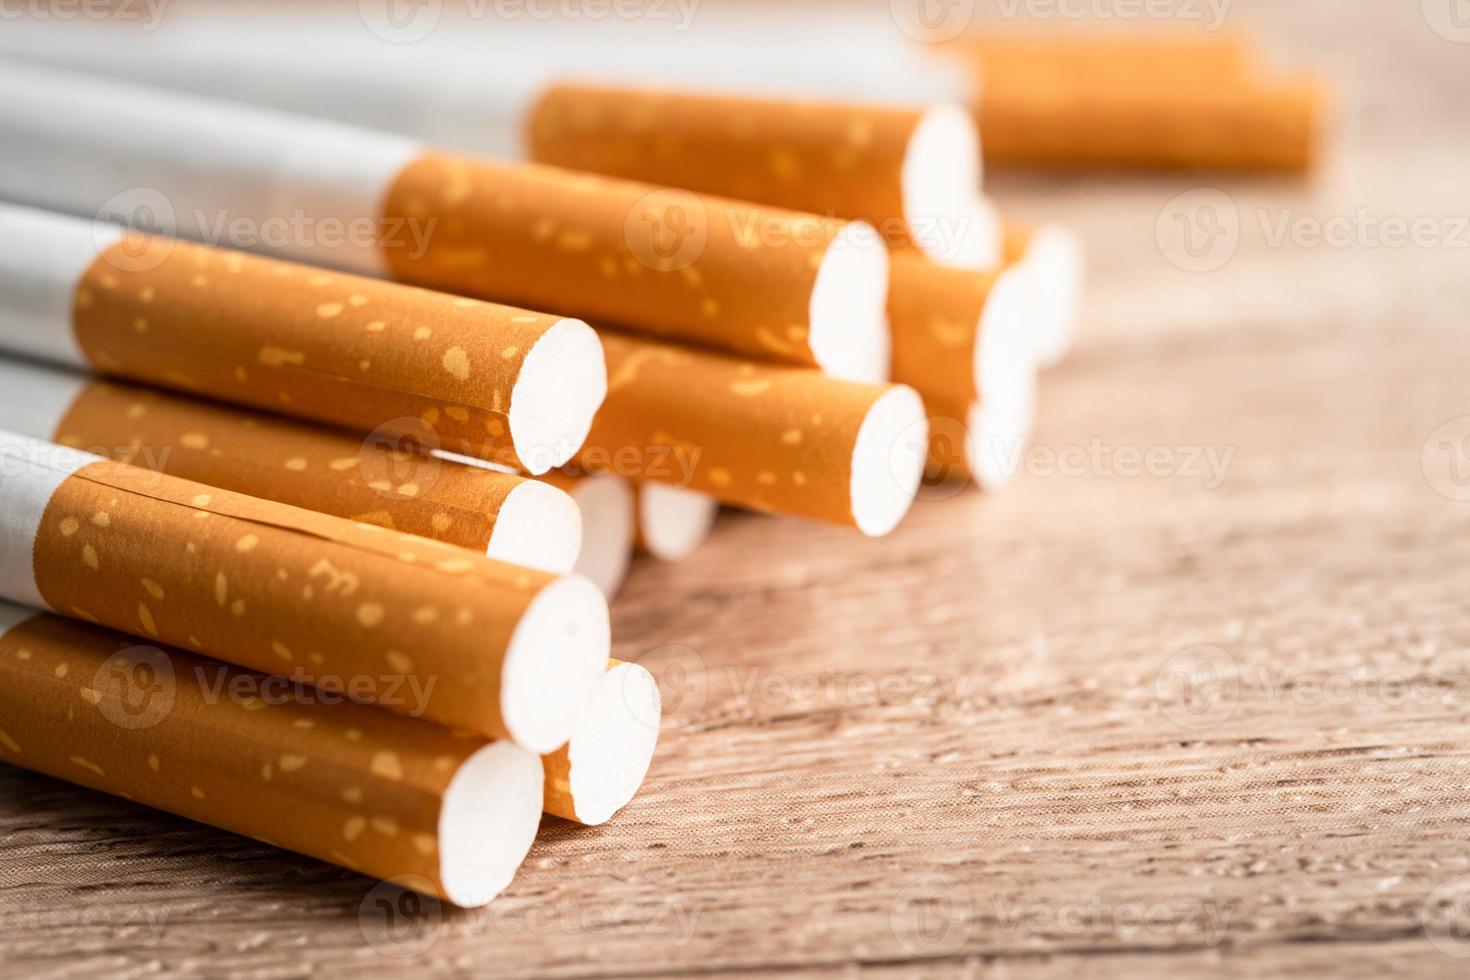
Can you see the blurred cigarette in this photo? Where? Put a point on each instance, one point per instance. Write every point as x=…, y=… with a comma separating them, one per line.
x=1022, y=61
x=368, y=479
x=766, y=283
x=673, y=521
x=1053, y=255
x=517, y=386
x=980, y=442
x=772, y=438
x=1255, y=125
x=364, y=789
x=493, y=648
x=608, y=525
x=600, y=768
x=912, y=173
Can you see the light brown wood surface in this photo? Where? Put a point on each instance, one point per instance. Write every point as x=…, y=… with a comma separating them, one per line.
x=1024, y=791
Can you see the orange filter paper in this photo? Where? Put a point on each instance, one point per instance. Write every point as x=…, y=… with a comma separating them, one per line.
x=822, y=157
x=274, y=588
x=670, y=262
x=1010, y=62
x=323, y=345
x=934, y=313
x=346, y=783
x=1249, y=127
x=370, y=480
x=767, y=437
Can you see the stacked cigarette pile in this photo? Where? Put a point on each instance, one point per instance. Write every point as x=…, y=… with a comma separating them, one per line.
x=382, y=423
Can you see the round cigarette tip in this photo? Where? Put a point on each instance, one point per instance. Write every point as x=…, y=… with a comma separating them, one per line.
x=562, y=382
x=611, y=748
x=1005, y=376
x=556, y=654
x=608, y=530
x=1005, y=349
x=848, y=329
x=538, y=526
x=888, y=460
x=1056, y=259
x=941, y=187
x=487, y=822
x=674, y=521
x=999, y=431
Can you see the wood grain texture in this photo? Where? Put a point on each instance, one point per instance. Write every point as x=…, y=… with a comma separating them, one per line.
x=967, y=749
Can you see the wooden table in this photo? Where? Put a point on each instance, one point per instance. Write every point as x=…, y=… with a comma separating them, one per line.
x=1191, y=699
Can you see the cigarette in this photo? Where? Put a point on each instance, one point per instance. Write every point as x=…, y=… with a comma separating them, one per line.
x=608, y=525
x=762, y=282
x=1019, y=61
x=369, y=479
x=516, y=385
x=768, y=437
x=912, y=173
x=960, y=336
x=501, y=650
x=1255, y=125
x=1053, y=255
x=673, y=521
x=471, y=90
x=361, y=788
x=604, y=762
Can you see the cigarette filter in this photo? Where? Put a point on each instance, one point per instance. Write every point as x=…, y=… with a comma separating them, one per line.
x=362, y=788
x=600, y=768
x=772, y=438
x=673, y=521
x=1023, y=61
x=606, y=501
x=1053, y=256
x=913, y=173
x=766, y=283
x=967, y=338
x=1257, y=125
x=498, y=649
x=370, y=479
x=515, y=385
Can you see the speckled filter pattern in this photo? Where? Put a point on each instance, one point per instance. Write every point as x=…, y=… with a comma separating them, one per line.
x=324, y=345
x=374, y=480
x=347, y=783
x=762, y=436
x=822, y=157
x=416, y=624
x=657, y=260
x=934, y=315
